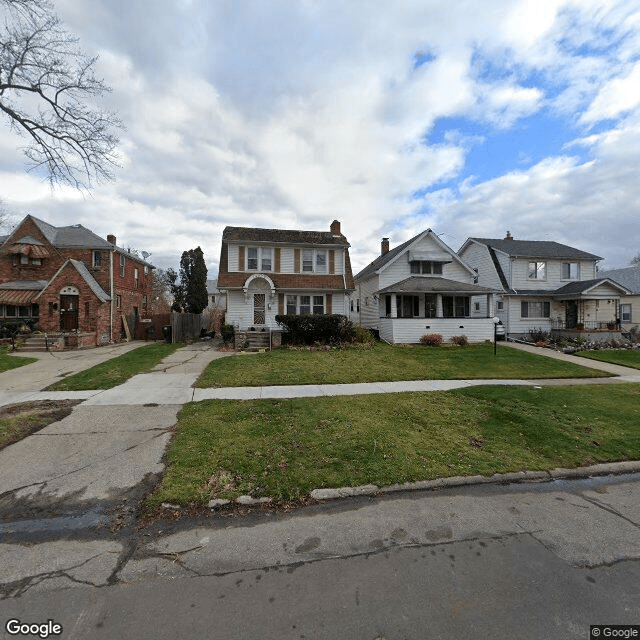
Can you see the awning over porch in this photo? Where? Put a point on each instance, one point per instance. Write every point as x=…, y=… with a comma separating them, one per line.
x=418, y=284
x=21, y=292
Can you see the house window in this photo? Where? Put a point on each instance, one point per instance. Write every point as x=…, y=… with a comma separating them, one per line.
x=351, y=305
x=118, y=301
x=36, y=262
x=305, y=305
x=259, y=257
x=24, y=259
x=537, y=271
x=426, y=267
x=321, y=262
x=625, y=312
x=535, y=309
x=144, y=302
x=135, y=278
x=455, y=306
x=570, y=270
x=307, y=260
x=122, y=262
x=476, y=306
x=146, y=270
x=24, y=312
x=500, y=305
x=10, y=311
x=408, y=306
x=97, y=259
x=358, y=305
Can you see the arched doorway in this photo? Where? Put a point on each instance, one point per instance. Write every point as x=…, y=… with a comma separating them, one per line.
x=69, y=302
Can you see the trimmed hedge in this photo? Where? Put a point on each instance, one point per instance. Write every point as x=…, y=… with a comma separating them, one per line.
x=327, y=329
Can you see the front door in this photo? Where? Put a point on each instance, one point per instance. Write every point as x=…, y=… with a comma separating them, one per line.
x=259, y=308
x=69, y=313
x=571, y=318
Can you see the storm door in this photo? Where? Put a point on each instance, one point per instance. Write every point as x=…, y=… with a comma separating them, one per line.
x=571, y=314
x=259, y=308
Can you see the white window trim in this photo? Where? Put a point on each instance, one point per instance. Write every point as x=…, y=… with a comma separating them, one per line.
x=312, y=299
x=537, y=268
x=563, y=277
x=261, y=254
x=314, y=261
x=622, y=318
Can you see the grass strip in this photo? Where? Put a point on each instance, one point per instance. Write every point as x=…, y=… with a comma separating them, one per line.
x=111, y=373
x=624, y=357
x=286, y=448
x=384, y=363
x=12, y=362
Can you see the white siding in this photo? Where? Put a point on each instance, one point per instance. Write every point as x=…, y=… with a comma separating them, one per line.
x=409, y=331
x=477, y=257
x=369, y=313
x=554, y=279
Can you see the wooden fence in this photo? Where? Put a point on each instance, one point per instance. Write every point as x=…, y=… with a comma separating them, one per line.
x=185, y=326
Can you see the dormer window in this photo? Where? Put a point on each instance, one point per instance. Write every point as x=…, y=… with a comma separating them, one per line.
x=426, y=267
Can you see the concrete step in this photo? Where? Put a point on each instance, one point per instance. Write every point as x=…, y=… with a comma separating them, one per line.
x=35, y=343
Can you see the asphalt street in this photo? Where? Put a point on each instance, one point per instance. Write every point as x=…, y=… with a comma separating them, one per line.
x=526, y=560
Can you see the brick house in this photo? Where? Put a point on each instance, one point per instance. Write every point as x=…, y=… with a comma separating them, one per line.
x=71, y=282
x=266, y=272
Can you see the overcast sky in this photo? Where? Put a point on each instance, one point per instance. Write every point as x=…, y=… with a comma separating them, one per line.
x=467, y=117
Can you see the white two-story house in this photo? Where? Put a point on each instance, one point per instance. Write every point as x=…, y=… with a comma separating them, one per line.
x=269, y=272
x=544, y=285
x=422, y=287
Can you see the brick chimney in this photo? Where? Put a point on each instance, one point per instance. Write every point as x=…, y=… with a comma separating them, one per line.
x=111, y=239
x=508, y=236
x=384, y=246
x=335, y=228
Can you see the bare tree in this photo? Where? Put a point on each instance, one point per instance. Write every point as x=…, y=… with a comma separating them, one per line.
x=47, y=89
x=635, y=261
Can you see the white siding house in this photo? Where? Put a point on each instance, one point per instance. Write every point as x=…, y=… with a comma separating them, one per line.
x=422, y=287
x=544, y=285
x=269, y=272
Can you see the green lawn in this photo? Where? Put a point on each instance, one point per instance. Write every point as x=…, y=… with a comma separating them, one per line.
x=117, y=370
x=12, y=362
x=286, y=448
x=624, y=357
x=385, y=363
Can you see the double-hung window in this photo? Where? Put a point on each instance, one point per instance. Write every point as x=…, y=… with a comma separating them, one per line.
x=97, y=259
x=426, y=267
x=625, y=312
x=535, y=309
x=537, y=271
x=305, y=305
x=455, y=306
x=314, y=261
x=259, y=258
x=571, y=271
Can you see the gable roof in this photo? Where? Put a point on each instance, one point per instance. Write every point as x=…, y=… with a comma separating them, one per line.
x=423, y=284
x=584, y=286
x=628, y=277
x=289, y=236
x=387, y=258
x=81, y=268
x=534, y=248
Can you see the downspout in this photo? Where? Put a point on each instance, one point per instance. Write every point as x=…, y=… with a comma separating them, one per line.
x=111, y=294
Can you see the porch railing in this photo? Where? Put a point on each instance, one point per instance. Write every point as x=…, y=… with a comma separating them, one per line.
x=610, y=325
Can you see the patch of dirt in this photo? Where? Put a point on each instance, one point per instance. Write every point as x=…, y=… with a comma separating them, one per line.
x=33, y=416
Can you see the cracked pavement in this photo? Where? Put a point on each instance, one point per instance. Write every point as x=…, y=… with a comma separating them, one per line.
x=516, y=560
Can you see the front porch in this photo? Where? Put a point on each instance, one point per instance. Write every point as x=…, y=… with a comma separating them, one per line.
x=410, y=330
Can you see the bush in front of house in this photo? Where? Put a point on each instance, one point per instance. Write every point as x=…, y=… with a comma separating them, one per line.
x=360, y=335
x=538, y=334
x=431, y=340
x=460, y=341
x=309, y=329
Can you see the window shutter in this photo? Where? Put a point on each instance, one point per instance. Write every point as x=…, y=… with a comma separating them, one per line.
x=276, y=260
x=329, y=304
x=296, y=260
x=280, y=301
x=240, y=258
x=547, y=309
x=332, y=261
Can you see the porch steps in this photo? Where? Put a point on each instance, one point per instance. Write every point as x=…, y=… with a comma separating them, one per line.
x=257, y=340
x=35, y=343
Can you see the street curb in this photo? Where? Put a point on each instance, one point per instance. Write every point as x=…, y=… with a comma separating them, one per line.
x=608, y=468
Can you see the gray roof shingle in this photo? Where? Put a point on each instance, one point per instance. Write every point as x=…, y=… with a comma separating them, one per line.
x=536, y=249
x=628, y=277
x=254, y=234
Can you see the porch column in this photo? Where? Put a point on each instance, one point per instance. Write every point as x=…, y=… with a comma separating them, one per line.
x=394, y=306
x=490, y=310
x=439, y=311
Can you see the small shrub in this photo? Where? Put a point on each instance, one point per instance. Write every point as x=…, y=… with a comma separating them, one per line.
x=326, y=329
x=362, y=336
x=460, y=341
x=431, y=340
x=537, y=334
